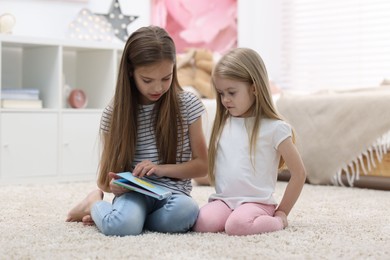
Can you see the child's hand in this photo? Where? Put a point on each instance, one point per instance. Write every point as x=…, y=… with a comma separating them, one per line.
x=146, y=168
x=283, y=216
x=116, y=189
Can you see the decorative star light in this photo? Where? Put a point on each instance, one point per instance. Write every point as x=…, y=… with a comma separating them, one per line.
x=119, y=21
x=88, y=26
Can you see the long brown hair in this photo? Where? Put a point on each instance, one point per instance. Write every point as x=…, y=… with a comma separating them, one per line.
x=243, y=65
x=146, y=46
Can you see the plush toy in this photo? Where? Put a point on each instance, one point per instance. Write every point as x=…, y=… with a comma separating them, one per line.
x=194, y=69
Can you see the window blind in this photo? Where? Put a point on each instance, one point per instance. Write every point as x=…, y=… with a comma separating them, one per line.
x=335, y=44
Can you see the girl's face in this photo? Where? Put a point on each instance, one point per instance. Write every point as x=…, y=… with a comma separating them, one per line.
x=236, y=96
x=153, y=80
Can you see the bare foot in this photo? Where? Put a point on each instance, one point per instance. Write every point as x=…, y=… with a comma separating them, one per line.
x=82, y=209
x=88, y=221
x=282, y=216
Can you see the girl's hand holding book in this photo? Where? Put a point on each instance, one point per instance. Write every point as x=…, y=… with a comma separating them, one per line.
x=116, y=189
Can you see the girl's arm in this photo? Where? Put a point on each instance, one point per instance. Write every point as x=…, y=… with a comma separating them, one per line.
x=292, y=158
x=196, y=167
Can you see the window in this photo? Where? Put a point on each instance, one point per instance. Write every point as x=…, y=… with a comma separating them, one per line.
x=335, y=43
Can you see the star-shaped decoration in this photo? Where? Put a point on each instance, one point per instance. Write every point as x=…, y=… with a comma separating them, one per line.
x=119, y=21
x=88, y=26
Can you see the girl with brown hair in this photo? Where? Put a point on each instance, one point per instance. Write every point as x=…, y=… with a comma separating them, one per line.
x=153, y=129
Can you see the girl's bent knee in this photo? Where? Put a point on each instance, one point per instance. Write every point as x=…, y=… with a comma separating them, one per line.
x=180, y=222
x=177, y=216
x=205, y=225
x=116, y=226
x=235, y=227
x=120, y=230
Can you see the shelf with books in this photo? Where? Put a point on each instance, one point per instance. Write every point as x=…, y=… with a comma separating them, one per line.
x=26, y=66
x=20, y=98
x=36, y=77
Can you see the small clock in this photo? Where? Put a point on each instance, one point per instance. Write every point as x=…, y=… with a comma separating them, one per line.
x=77, y=99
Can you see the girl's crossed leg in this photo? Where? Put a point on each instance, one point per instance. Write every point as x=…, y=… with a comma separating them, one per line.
x=247, y=219
x=212, y=217
x=253, y=218
x=132, y=212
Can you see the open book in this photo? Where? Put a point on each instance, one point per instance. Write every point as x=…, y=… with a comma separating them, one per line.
x=131, y=182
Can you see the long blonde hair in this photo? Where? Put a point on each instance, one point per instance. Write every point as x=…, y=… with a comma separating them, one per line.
x=146, y=46
x=243, y=65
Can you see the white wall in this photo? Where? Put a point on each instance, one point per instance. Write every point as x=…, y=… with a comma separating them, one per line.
x=259, y=25
x=259, y=28
x=50, y=18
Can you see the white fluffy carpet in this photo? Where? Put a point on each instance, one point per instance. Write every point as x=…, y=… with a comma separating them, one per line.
x=327, y=223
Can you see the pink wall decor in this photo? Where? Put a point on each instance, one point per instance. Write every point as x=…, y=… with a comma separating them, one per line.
x=210, y=24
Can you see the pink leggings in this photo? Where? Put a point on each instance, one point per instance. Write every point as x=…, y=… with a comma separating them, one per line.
x=247, y=219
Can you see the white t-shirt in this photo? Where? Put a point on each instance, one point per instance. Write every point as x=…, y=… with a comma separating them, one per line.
x=238, y=179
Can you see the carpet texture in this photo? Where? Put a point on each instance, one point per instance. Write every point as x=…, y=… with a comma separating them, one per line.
x=327, y=222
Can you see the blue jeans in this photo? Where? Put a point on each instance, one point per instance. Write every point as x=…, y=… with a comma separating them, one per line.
x=132, y=212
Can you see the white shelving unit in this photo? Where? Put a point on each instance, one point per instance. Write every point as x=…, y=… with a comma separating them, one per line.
x=55, y=143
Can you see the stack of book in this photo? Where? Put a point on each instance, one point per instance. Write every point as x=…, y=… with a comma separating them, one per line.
x=20, y=98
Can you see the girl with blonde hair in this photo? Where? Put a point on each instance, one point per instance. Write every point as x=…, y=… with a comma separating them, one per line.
x=249, y=143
